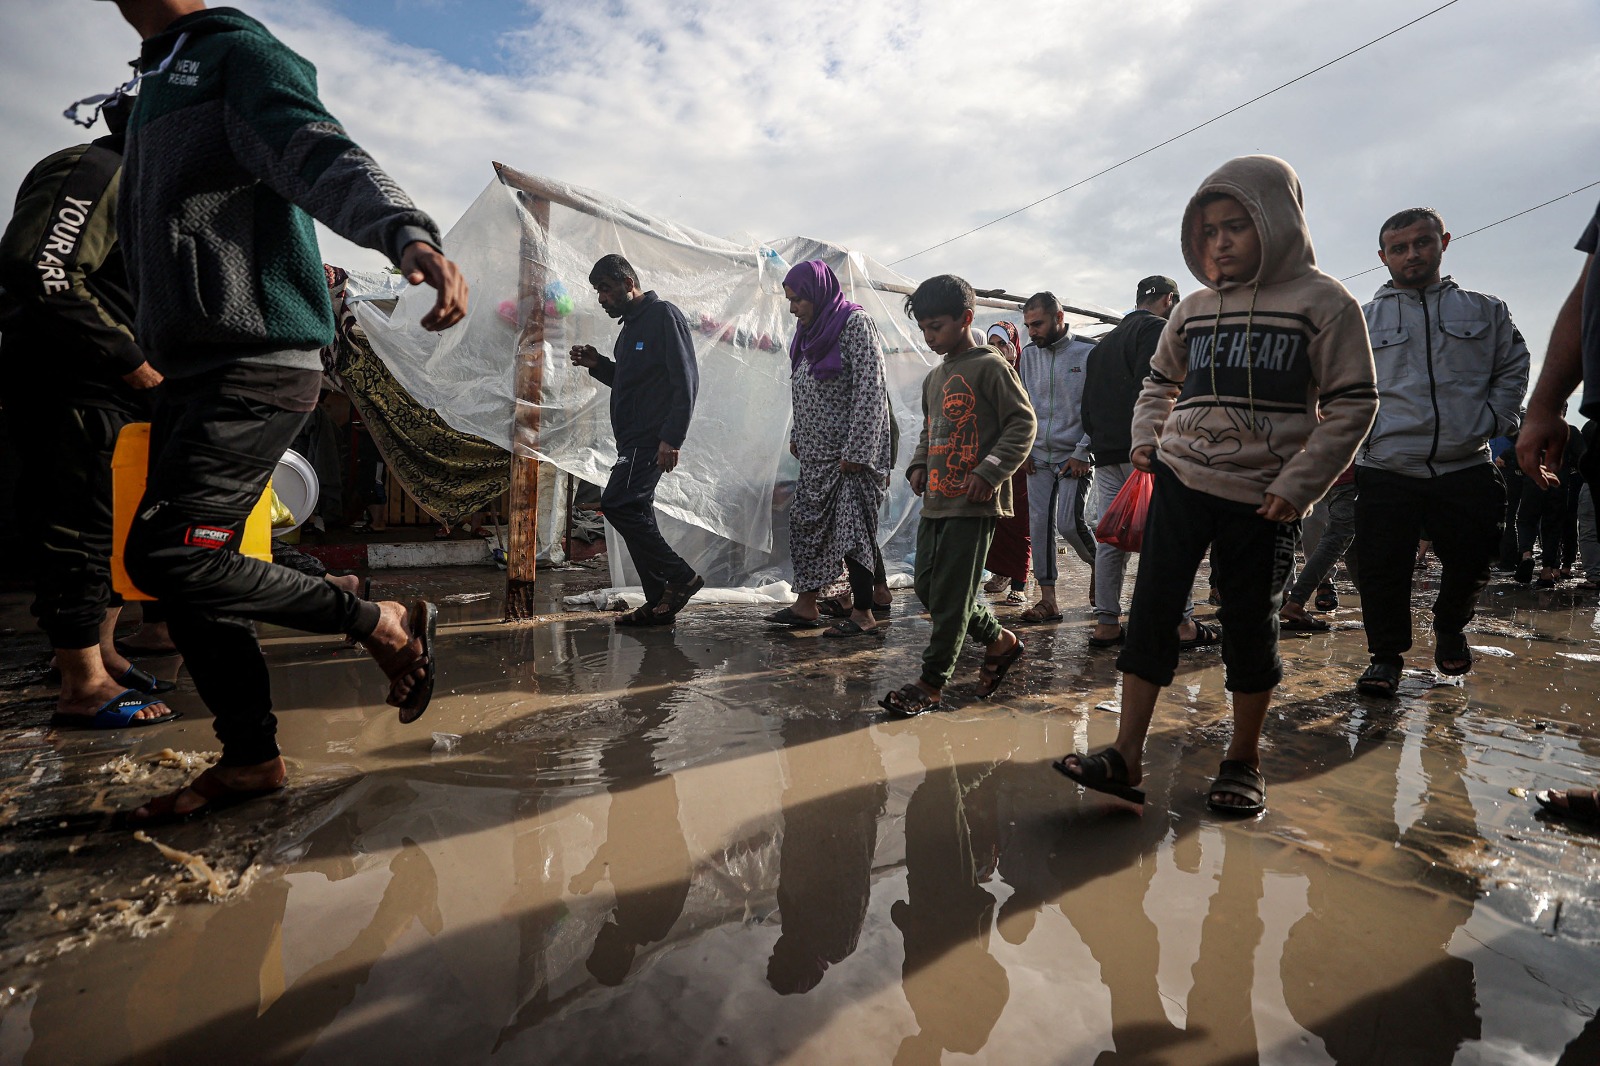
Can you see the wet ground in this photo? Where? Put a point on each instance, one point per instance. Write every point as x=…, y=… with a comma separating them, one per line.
x=705, y=845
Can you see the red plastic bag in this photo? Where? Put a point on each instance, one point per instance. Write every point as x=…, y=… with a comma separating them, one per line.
x=1122, y=526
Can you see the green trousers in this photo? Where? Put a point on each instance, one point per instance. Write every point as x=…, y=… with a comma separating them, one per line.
x=950, y=556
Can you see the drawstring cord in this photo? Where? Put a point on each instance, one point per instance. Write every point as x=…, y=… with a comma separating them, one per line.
x=1249, y=360
x=101, y=100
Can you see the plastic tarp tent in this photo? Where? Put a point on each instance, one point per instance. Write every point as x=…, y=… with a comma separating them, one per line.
x=724, y=509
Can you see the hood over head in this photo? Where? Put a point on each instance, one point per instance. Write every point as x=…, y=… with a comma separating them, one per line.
x=1270, y=190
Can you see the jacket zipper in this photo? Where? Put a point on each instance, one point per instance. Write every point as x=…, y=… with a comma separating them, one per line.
x=1433, y=385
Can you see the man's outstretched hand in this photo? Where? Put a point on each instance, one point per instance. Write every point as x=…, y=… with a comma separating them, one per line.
x=422, y=262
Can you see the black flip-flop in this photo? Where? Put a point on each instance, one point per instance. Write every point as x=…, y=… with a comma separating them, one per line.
x=1327, y=600
x=1238, y=778
x=1204, y=637
x=424, y=618
x=116, y=713
x=1452, y=647
x=1104, y=771
x=1583, y=804
x=851, y=628
x=787, y=617
x=1380, y=679
x=144, y=681
x=217, y=795
x=1303, y=625
x=1109, y=642
x=675, y=598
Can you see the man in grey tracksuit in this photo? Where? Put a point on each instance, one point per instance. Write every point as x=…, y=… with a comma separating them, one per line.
x=1452, y=370
x=1053, y=369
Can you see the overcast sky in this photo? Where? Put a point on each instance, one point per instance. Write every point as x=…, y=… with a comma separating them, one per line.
x=890, y=127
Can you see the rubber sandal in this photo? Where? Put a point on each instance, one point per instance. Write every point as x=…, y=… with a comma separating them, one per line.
x=116, y=713
x=217, y=795
x=1000, y=665
x=1104, y=771
x=882, y=610
x=787, y=617
x=143, y=681
x=424, y=618
x=1583, y=804
x=1204, y=637
x=908, y=701
x=1238, y=778
x=639, y=616
x=675, y=598
x=1109, y=642
x=1452, y=647
x=833, y=609
x=1327, y=599
x=1303, y=625
x=1034, y=616
x=1380, y=679
x=1587, y=585
x=1524, y=572
x=850, y=628
x=1015, y=599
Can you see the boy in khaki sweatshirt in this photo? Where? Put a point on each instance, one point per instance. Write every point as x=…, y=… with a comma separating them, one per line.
x=1259, y=393
x=977, y=429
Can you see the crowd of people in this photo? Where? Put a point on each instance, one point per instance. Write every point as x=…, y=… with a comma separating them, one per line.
x=172, y=266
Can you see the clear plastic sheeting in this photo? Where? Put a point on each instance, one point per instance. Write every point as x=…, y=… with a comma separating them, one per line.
x=725, y=507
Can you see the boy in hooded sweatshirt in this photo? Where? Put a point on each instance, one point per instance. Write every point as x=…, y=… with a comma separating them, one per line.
x=1259, y=394
x=977, y=428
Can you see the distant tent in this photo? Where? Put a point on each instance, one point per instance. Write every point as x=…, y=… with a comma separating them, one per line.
x=724, y=509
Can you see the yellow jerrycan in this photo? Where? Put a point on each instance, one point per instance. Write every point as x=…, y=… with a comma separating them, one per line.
x=129, y=464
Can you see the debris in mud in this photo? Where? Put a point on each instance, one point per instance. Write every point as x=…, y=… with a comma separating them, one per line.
x=1492, y=651
x=124, y=769
x=197, y=868
x=464, y=597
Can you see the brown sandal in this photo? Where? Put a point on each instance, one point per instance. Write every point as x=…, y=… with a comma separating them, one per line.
x=995, y=668
x=217, y=794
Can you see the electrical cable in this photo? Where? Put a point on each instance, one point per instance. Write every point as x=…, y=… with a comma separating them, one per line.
x=1176, y=137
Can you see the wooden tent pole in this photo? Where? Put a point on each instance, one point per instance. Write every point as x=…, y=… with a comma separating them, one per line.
x=523, y=544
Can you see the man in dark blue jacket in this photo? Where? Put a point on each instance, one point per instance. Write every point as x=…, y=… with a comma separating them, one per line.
x=653, y=381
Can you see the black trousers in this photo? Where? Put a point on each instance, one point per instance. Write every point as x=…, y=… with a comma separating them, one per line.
x=1541, y=516
x=214, y=443
x=1251, y=559
x=1463, y=510
x=64, y=505
x=629, y=505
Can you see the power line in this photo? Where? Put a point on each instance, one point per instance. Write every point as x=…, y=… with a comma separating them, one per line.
x=1176, y=137
x=1525, y=211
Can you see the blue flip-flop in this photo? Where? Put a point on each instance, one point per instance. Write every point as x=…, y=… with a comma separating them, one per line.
x=118, y=713
x=144, y=681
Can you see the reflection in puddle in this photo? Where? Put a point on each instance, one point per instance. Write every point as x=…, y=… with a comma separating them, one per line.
x=702, y=845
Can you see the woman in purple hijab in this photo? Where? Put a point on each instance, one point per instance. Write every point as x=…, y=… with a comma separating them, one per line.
x=840, y=434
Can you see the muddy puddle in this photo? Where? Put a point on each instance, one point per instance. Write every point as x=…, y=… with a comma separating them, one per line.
x=706, y=845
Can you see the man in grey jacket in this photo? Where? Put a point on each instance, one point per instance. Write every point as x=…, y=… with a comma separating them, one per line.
x=1053, y=369
x=1452, y=370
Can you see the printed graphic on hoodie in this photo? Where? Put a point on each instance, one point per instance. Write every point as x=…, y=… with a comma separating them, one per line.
x=1261, y=368
x=959, y=428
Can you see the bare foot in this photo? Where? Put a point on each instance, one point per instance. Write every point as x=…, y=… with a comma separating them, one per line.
x=396, y=649
x=85, y=702
x=1109, y=631
x=269, y=774
x=1293, y=612
x=344, y=583
x=1187, y=630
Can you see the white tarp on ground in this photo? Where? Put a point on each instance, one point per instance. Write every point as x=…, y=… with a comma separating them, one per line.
x=724, y=508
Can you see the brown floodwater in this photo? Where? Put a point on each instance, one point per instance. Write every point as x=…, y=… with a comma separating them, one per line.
x=705, y=844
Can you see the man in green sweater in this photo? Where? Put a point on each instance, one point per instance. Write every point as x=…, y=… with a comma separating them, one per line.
x=977, y=430
x=230, y=156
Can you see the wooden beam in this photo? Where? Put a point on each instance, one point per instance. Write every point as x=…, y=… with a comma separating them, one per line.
x=999, y=298
x=523, y=521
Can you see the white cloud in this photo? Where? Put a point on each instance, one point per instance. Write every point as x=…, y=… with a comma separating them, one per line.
x=891, y=127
